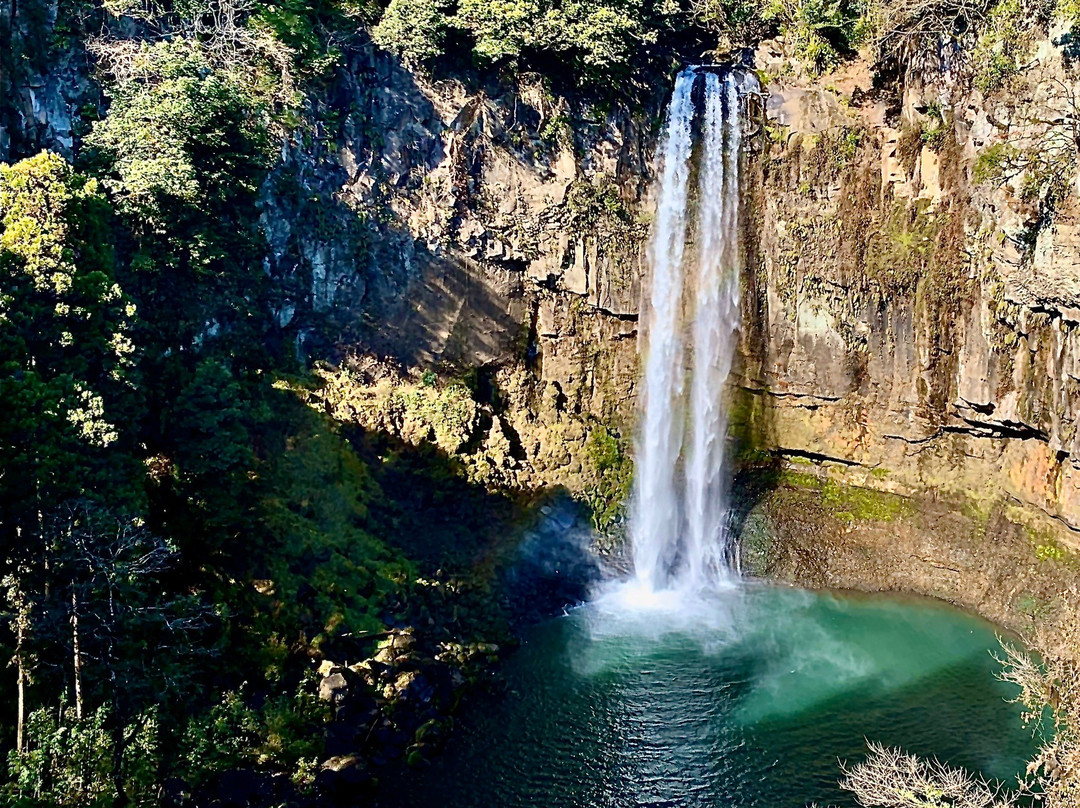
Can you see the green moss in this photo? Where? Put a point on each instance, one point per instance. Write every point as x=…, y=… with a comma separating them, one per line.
x=855, y=503
x=1049, y=552
x=608, y=460
x=899, y=252
x=850, y=503
x=1032, y=605
x=748, y=427
x=800, y=479
x=1047, y=547
x=752, y=456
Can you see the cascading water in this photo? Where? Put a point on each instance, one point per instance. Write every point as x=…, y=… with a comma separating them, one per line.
x=680, y=513
x=657, y=513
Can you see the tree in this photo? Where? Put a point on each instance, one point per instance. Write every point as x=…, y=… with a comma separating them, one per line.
x=184, y=150
x=66, y=357
x=96, y=597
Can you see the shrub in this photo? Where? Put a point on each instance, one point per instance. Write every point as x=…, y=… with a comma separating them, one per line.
x=594, y=37
x=413, y=29
x=820, y=30
x=180, y=133
x=69, y=761
x=992, y=163
x=1003, y=44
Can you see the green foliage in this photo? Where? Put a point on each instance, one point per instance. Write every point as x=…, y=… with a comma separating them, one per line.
x=413, y=29
x=593, y=203
x=597, y=41
x=69, y=761
x=595, y=38
x=65, y=350
x=557, y=131
x=313, y=515
x=448, y=415
x=222, y=739
x=210, y=419
x=610, y=464
x=832, y=152
x=820, y=30
x=180, y=134
x=1068, y=10
x=284, y=732
x=736, y=21
x=934, y=130
x=993, y=162
x=1003, y=44
x=848, y=143
x=301, y=28
x=1045, y=170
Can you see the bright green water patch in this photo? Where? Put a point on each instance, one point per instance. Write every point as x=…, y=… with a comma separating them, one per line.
x=747, y=698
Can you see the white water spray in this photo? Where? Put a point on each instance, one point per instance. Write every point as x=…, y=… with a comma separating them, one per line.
x=680, y=512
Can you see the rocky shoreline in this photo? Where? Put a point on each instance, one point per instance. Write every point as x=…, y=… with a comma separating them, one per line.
x=807, y=528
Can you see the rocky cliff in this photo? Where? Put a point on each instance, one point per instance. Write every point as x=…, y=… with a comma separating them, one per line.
x=911, y=294
x=912, y=287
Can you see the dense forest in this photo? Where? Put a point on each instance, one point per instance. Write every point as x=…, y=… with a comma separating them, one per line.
x=192, y=540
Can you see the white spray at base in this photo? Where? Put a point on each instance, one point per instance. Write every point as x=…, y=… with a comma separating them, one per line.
x=680, y=517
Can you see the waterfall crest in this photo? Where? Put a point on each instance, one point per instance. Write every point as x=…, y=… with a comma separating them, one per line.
x=679, y=521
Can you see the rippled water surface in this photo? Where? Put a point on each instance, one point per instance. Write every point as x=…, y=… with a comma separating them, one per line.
x=748, y=697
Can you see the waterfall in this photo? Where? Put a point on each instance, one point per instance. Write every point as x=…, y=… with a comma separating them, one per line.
x=656, y=509
x=679, y=521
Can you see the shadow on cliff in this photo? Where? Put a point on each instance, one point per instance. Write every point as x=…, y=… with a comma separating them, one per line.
x=363, y=249
x=530, y=550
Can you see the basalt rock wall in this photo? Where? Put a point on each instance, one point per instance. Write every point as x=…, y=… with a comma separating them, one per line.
x=911, y=307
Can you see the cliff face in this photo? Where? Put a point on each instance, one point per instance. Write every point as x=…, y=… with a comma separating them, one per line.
x=911, y=306
x=482, y=226
x=912, y=295
x=470, y=226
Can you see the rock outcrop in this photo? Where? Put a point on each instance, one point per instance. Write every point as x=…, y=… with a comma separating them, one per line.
x=910, y=319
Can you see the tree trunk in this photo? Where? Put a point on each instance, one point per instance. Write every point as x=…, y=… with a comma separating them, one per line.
x=77, y=657
x=20, y=720
x=118, y=713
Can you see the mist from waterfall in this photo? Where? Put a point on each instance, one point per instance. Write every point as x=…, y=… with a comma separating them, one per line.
x=679, y=521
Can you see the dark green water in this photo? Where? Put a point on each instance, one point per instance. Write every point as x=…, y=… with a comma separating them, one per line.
x=746, y=698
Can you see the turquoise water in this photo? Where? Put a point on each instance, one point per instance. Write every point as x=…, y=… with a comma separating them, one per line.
x=748, y=697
